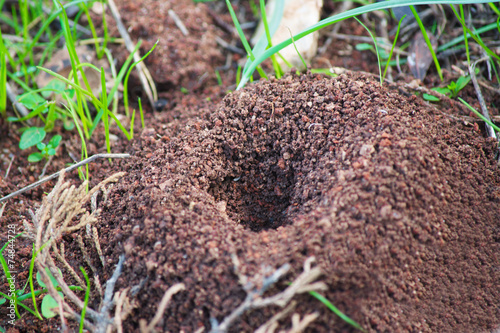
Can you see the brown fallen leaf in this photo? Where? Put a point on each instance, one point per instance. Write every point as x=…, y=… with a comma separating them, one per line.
x=420, y=58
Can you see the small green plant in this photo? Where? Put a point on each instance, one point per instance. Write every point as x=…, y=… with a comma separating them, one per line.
x=17, y=296
x=34, y=136
x=46, y=150
x=48, y=302
x=430, y=98
x=454, y=88
x=82, y=108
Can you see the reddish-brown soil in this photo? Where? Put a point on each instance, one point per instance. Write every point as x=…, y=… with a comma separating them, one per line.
x=399, y=201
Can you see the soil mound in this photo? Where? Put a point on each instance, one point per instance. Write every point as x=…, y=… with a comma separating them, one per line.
x=398, y=202
x=187, y=52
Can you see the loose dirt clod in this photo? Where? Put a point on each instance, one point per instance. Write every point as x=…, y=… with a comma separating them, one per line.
x=398, y=202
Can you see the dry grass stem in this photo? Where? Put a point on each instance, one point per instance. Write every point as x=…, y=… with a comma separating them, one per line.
x=95, y=237
x=85, y=253
x=256, y=286
x=161, y=308
x=62, y=213
x=121, y=299
x=272, y=324
x=178, y=22
x=146, y=80
x=98, y=286
x=62, y=259
x=480, y=98
x=299, y=325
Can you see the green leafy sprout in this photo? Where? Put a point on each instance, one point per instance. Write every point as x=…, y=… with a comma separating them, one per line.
x=46, y=150
x=78, y=99
x=454, y=87
x=18, y=296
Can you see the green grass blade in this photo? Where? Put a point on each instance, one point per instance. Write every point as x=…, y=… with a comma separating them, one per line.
x=466, y=40
x=334, y=309
x=244, y=40
x=125, y=82
x=376, y=49
x=86, y=299
x=30, y=279
x=392, y=48
x=51, y=18
x=459, y=39
x=80, y=132
x=3, y=83
x=494, y=8
x=237, y=25
x=475, y=36
x=18, y=303
x=297, y=50
x=105, y=117
x=262, y=43
x=337, y=18
x=124, y=70
x=279, y=3
x=428, y=42
x=141, y=113
x=8, y=276
x=92, y=29
x=483, y=118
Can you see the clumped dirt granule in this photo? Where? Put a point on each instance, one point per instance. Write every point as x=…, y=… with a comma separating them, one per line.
x=398, y=202
x=179, y=60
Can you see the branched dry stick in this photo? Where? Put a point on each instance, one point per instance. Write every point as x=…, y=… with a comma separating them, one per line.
x=120, y=299
x=480, y=98
x=299, y=325
x=161, y=308
x=303, y=283
x=62, y=259
x=50, y=222
x=68, y=169
x=108, y=297
x=272, y=324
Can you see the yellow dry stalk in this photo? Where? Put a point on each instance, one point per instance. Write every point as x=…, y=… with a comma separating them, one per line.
x=61, y=206
x=55, y=218
x=60, y=256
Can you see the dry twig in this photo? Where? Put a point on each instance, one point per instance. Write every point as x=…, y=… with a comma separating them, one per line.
x=255, y=290
x=480, y=98
x=51, y=221
x=146, y=80
x=161, y=308
x=74, y=166
x=178, y=22
x=13, y=99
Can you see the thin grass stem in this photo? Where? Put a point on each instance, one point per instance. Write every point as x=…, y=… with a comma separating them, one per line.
x=392, y=48
x=86, y=299
x=376, y=49
x=466, y=40
x=428, y=42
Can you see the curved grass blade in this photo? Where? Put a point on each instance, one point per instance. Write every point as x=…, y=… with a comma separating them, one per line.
x=334, y=309
x=337, y=18
x=392, y=48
